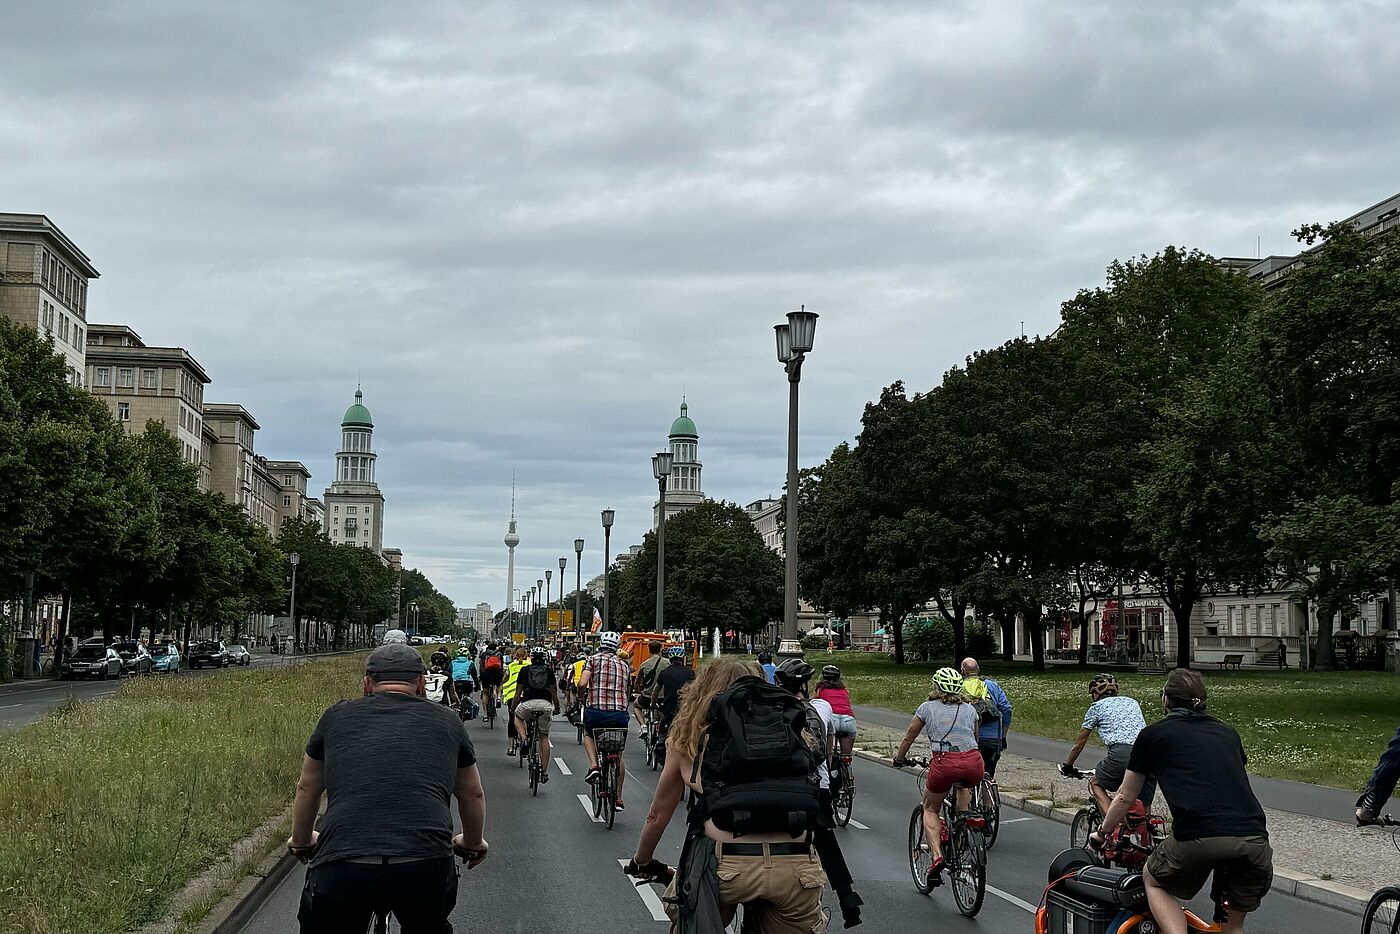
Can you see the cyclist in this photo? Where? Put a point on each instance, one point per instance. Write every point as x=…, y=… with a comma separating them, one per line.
x=394, y=636
x=1119, y=720
x=951, y=727
x=537, y=698
x=1217, y=823
x=519, y=658
x=604, y=683
x=666, y=690
x=765, y=661
x=1381, y=785
x=442, y=669
x=492, y=673
x=646, y=678
x=993, y=710
x=390, y=765
x=464, y=676
x=832, y=690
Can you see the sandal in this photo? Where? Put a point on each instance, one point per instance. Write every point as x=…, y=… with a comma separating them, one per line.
x=935, y=872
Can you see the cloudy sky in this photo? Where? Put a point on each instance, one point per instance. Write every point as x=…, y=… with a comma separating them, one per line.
x=527, y=229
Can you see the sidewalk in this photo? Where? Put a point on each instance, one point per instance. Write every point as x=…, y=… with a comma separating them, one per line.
x=1329, y=857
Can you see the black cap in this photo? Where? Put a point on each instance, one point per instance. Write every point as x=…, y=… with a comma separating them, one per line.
x=394, y=662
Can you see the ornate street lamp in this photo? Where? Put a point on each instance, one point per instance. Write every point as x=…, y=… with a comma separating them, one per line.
x=607, y=539
x=794, y=343
x=661, y=470
x=578, y=586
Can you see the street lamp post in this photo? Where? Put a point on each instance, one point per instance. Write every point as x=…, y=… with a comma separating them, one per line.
x=794, y=343
x=578, y=585
x=563, y=562
x=661, y=469
x=295, y=558
x=547, y=587
x=539, y=590
x=607, y=539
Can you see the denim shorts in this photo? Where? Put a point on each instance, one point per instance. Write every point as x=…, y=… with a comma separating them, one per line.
x=843, y=725
x=595, y=719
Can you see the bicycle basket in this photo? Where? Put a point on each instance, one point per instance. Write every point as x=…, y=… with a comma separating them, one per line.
x=610, y=740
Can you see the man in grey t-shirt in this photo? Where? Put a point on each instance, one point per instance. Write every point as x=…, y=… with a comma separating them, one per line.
x=389, y=763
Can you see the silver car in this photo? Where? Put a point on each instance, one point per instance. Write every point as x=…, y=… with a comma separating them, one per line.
x=92, y=661
x=238, y=655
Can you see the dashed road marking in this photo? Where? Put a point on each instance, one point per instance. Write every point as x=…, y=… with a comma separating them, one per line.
x=1007, y=896
x=649, y=897
x=588, y=808
x=857, y=824
x=1017, y=820
x=563, y=766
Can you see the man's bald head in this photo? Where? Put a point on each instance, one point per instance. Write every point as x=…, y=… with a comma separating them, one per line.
x=970, y=668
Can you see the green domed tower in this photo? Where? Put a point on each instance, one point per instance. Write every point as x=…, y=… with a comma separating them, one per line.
x=354, y=505
x=683, y=488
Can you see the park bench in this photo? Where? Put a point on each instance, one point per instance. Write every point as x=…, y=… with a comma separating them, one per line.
x=1231, y=660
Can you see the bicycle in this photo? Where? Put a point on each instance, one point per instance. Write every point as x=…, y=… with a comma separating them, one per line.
x=531, y=750
x=1382, y=915
x=986, y=799
x=490, y=706
x=1127, y=847
x=964, y=848
x=843, y=778
x=382, y=920
x=610, y=743
x=651, y=732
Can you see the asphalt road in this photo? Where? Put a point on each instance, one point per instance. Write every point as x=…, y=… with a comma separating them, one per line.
x=552, y=868
x=27, y=701
x=1296, y=797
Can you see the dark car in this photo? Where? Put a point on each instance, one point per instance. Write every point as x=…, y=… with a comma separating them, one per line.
x=135, y=658
x=92, y=661
x=209, y=654
x=238, y=655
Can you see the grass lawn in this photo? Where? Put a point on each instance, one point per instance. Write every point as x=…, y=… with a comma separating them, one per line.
x=1327, y=728
x=111, y=806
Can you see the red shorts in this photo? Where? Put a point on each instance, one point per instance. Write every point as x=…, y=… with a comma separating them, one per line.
x=947, y=769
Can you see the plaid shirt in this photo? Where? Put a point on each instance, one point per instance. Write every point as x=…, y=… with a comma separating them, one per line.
x=608, y=681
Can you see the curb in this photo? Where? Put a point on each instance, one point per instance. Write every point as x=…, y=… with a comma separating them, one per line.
x=236, y=909
x=1301, y=885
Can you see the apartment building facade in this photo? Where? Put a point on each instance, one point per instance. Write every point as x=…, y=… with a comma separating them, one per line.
x=235, y=470
x=141, y=383
x=44, y=283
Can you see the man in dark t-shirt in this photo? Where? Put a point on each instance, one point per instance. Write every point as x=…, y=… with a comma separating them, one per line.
x=666, y=688
x=390, y=764
x=1217, y=823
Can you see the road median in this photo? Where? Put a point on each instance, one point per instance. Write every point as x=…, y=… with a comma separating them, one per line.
x=114, y=806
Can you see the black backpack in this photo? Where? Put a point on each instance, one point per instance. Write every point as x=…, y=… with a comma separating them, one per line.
x=537, y=677
x=757, y=772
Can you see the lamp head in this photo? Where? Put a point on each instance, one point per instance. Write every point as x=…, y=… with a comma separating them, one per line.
x=562, y=563
x=661, y=464
x=802, y=329
x=784, y=336
x=578, y=546
x=608, y=515
x=295, y=558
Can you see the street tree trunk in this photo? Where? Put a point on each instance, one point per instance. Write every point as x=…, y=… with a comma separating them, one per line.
x=957, y=618
x=1007, y=621
x=1181, y=593
x=888, y=622
x=60, y=645
x=1035, y=631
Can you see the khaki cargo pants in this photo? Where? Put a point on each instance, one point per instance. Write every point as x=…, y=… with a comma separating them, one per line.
x=780, y=894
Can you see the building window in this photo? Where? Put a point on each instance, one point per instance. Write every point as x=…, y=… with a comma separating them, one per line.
x=148, y=379
x=77, y=336
x=337, y=507
x=286, y=501
x=286, y=480
x=102, y=376
x=124, y=378
x=123, y=411
x=350, y=510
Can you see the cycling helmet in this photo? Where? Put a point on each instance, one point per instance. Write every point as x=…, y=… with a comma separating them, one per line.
x=948, y=681
x=395, y=635
x=831, y=673
x=463, y=653
x=764, y=656
x=794, y=672
x=1103, y=683
x=675, y=651
x=609, y=640
x=538, y=653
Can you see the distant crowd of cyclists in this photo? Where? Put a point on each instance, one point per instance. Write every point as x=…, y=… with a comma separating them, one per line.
x=753, y=747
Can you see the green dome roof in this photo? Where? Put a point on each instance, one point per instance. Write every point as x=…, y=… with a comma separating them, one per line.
x=683, y=425
x=357, y=416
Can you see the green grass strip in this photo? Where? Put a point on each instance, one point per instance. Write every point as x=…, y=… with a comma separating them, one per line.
x=111, y=806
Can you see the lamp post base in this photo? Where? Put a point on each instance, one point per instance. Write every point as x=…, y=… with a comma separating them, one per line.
x=790, y=648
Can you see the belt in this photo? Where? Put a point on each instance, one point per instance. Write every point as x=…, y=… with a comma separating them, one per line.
x=949, y=748
x=387, y=860
x=762, y=849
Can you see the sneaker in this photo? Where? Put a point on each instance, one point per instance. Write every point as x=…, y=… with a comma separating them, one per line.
x=592, y=776
x=544, y=779
x=511, y=752
x=618, y=805
x=935, y=873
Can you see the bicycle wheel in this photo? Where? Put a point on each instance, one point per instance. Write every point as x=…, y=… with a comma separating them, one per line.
x=989, y=800
x=610, y=800
x=920, y=856
x=595, y=792
x=846, y=799
x=1382, y=912
x=1085, y=823
x=490, y=713
x=534, y=770
x=580, y=728
x=967, y=868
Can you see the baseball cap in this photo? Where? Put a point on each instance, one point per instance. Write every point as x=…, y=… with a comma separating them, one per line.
x=394, y=662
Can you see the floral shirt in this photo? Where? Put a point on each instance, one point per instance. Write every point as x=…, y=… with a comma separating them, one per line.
x=1118, y=720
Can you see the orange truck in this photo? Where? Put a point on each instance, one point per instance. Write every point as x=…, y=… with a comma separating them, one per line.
x=638, y=646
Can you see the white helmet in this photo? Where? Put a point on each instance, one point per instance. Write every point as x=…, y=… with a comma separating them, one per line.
x=395, y=635
x=609, y=640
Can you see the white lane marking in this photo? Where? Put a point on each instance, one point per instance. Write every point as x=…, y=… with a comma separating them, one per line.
x=649, y=897
x=857, y=824
x=1007, y=896
x=8, y=706
x=1017, y=820
x=563, y=766
x=588, y=808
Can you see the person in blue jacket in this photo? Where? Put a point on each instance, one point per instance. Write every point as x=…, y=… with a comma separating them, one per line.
x=464, y=677
x=991, y=735
x=765, y=661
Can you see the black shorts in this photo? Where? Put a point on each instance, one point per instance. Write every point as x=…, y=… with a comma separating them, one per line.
x=643, y=702
x=492, y=678
x=341, y=896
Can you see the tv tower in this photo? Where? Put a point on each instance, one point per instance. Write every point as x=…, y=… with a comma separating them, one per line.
x=512, y=539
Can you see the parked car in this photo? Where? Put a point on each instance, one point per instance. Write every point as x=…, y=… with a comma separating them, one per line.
x=165, y=657
x=135, y=658
x=238, y=655
x=92, y=661
x=209, y=653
